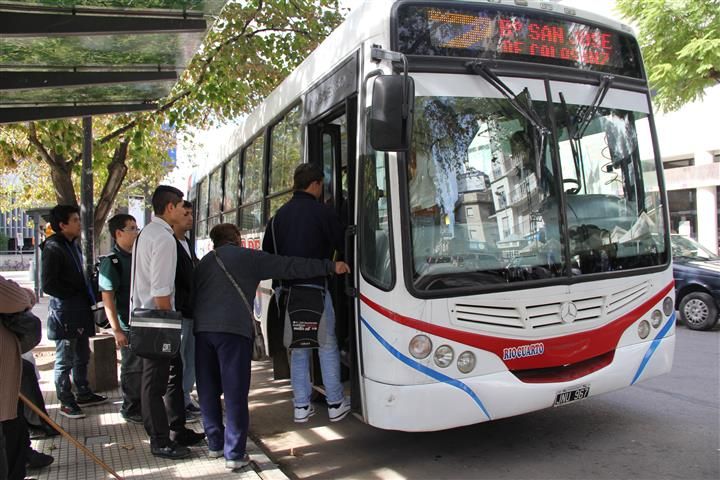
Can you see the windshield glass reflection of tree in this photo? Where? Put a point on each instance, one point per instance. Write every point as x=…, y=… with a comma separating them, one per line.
x=477, y=185
x=615, y=214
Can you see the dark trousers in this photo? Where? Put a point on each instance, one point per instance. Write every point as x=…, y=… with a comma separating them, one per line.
x=163, y=407
x=131, y=369
x=222, y=365
x=71, y=355
x=30, y=388
x=14, y=442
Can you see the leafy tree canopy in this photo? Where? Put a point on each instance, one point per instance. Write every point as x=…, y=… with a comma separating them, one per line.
x=680, y=41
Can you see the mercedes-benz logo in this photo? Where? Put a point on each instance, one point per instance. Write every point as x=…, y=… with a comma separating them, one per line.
x=568, y=312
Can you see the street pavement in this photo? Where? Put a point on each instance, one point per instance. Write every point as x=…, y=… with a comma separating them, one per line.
x=665, y=428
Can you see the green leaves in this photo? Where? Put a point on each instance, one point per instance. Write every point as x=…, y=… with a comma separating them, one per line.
x=680, y=41
x=247, y=53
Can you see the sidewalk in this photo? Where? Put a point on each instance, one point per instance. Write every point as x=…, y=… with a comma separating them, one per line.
x=123, y=446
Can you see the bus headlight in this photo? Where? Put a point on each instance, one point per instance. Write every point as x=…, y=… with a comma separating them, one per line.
x=643, y=329
x=466, y=362
x=444, y=356
x=668, y=306
x=420, y=346
x=656, y=318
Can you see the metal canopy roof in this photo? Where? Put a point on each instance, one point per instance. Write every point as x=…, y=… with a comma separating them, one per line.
x=62, y=58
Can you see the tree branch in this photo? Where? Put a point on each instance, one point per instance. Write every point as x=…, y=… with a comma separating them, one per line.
x=35, y=141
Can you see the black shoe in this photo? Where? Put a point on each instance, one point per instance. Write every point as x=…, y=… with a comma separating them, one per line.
x=190, y=407
x=187, y=437
x=90, y=399
x=71, y=410
x=173, y=451
x=35, y=459
x=41, y=431
x=135, y=418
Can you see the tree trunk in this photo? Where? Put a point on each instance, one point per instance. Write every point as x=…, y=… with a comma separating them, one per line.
x=116, y=174
x=61, y=175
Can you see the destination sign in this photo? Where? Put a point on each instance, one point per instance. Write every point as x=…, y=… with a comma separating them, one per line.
x=487, y=32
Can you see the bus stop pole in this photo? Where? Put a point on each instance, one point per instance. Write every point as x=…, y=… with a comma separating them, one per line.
x=87, y=215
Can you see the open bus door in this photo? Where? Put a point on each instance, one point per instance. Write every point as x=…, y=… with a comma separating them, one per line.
x=332, y=146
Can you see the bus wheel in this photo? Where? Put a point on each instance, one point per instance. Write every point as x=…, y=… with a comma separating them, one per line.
x=698, y=311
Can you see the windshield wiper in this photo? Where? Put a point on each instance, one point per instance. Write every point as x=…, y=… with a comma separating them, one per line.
x=587, y=113
x=527, y=111
x=576, y=130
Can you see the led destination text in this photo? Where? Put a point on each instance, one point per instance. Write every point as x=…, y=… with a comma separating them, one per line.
x=522, y=36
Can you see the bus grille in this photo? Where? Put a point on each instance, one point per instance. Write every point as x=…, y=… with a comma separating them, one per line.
x=498, y=317
x=547, y=315
x=627, y=297
x=488, y=315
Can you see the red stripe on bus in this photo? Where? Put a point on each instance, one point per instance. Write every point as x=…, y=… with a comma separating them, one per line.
x=564, y=350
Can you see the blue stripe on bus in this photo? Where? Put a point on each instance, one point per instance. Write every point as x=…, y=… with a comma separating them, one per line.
x=427, y=371
x=653, y=346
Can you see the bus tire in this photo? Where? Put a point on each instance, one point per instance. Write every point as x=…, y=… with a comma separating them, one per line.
x=699, y=311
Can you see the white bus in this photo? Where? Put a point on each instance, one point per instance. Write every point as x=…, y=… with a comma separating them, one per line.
x=496, y=165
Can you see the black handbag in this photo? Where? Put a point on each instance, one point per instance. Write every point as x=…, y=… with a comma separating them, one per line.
x=155, y=334
x=258, y=352
x=26, y=326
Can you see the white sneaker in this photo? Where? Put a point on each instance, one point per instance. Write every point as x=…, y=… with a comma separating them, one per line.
x=340, y=411
x=302, y=414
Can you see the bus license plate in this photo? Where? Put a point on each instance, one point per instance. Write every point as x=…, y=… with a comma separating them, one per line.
x=570, y=395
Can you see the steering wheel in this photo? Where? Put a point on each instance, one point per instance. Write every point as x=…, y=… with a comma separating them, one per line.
x=572, y=190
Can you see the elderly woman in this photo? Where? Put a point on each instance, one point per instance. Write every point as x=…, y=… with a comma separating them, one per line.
x=224, y=332
x=13, y=433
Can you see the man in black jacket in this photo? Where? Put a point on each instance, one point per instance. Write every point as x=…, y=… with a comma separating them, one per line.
x=186, y=261
x=304, y=227
x=70, y=321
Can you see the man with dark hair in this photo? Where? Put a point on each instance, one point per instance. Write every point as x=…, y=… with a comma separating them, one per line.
x=114, y=284
x=70, y=321
x=186, y=261
x=153, y=287
x=304, y=227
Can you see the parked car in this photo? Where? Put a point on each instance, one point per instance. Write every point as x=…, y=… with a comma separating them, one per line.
x=697, y=283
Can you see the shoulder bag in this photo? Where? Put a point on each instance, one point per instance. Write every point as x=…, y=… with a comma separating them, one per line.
x=258, y=352
x=304, y=311
x=154, y=334
x=26, y=327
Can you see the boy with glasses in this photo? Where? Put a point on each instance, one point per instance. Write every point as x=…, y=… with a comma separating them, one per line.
x=114, y=283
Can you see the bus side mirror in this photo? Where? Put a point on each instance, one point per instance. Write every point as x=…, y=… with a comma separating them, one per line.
x=391, y=114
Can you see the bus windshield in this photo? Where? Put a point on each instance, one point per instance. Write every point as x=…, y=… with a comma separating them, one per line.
x=485, y=199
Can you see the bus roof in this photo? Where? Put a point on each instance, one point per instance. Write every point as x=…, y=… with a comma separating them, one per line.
x=371, y=19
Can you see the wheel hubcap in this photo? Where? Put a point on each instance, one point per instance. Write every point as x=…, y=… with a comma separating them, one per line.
x=696, y=312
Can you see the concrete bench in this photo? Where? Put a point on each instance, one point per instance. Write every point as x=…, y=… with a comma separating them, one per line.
x=102, y=368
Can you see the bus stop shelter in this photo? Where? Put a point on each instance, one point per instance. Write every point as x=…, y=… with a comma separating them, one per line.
x=80, y=58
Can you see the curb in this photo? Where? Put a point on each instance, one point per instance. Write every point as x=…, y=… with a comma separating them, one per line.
x=261, y=463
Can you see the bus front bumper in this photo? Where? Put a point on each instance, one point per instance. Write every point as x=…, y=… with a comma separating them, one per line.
x=465, y=401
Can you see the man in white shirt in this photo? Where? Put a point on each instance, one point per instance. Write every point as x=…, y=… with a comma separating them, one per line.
x=153, y=287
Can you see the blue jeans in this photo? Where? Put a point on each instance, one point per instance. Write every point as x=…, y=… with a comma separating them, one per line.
x=329, y=365
x=187, y=351
x=71, y=355
x=223, y=367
